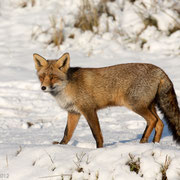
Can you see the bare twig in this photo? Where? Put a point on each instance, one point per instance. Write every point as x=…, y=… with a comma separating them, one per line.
x=165, y=166
x=51, y=160
x=55, y=176
x=18, y=151
x=7, y=163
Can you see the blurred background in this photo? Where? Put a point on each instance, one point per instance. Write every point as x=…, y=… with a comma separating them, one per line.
x=112, y=31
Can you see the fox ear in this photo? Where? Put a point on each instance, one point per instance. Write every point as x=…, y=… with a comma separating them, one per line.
x=63, y=62
x=39, y=61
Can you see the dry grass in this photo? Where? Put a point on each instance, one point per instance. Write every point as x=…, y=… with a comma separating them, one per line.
x=56, y=31
x=89, y=19
x=89, y=15
x=29, y=124
x=63, y=176
x=18, y=151
x=52, y=161
x=57, y=36
x=176, y=28
x=164, y=167
x=79, y=160
x=24, y=3
x=7, y=161
x=134, y=164
x=148, y=20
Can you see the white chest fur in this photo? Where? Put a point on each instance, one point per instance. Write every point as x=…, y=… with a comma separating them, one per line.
x=66, y=102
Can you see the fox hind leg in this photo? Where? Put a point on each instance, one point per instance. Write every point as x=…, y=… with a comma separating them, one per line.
x=151, y=122
x=159, y=125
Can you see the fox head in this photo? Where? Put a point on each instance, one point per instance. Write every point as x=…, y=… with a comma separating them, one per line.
x=52, y=73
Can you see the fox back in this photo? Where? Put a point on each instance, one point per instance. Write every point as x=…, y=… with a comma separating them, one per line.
x=86, y=90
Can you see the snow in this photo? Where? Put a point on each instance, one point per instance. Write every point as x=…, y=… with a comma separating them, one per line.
x=31, y=120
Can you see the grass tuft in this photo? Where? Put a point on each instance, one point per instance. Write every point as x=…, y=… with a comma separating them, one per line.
x=57, y=35
x=79, y=160
x=150, y=21
x=164, y=167
x=134, y=164
x=52, y=161
x=24, y=4
x=89, y=15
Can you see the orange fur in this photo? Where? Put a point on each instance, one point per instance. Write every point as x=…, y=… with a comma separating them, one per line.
x=83, y=91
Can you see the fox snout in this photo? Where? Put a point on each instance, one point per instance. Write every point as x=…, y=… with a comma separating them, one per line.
x=48, y=88
x=52, y=89
x=43, y=88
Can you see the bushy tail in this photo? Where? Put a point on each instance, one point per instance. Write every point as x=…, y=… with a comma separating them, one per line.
x=167, y=103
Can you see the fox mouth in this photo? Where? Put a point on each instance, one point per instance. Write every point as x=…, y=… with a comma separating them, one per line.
x=53, y=88
x=53, y=92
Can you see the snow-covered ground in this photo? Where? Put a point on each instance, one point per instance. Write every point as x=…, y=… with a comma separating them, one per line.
x=31, y=120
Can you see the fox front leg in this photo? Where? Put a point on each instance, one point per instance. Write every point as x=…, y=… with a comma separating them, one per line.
x=92, y=119
x=72, y=122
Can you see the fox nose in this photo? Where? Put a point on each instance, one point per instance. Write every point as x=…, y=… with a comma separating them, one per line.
x=43, y=88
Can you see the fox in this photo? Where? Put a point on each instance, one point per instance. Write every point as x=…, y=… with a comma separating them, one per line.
x=140, y=87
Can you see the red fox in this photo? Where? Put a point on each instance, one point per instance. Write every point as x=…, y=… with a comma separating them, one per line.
x=82, y=91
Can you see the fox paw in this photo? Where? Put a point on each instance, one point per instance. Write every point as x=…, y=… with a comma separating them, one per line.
x=143, y=140
x=55, y=142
